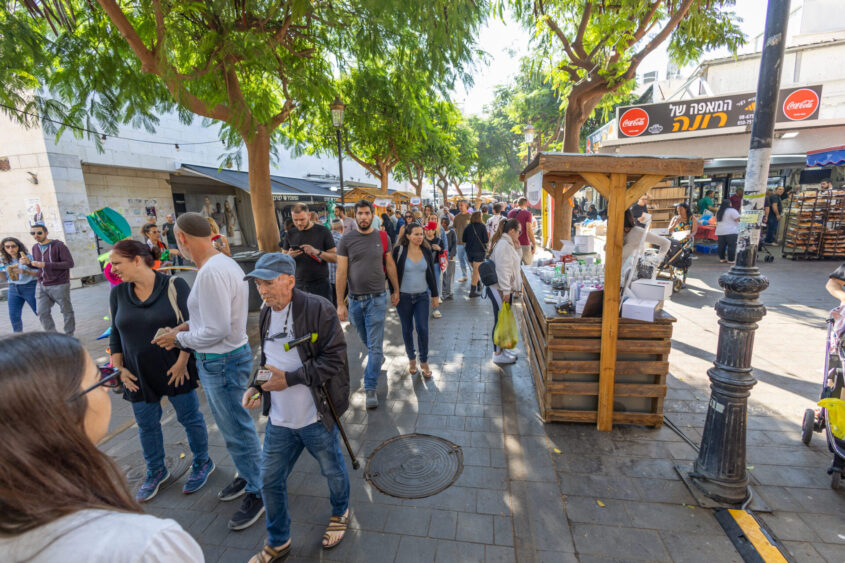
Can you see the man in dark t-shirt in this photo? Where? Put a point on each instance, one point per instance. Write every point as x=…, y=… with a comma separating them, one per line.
x=640, y=208
x=775, y=209
x=526, y=238
x=312, y=246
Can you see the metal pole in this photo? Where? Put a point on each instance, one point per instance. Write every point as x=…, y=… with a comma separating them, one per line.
x=719, y=472
x=525, y=184
x=340, y=168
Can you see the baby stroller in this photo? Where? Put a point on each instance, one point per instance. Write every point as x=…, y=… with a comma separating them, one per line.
x=676, y=263
x=833, y=387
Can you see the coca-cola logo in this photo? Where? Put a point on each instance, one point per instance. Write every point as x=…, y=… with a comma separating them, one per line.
x=633, y=122
x=800, y=104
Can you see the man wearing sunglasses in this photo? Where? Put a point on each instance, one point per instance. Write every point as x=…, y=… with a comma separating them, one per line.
x=54, y=261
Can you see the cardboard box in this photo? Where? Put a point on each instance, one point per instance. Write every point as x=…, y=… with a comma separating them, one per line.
x=584, y=244
x=641, y=309
x=652, y=289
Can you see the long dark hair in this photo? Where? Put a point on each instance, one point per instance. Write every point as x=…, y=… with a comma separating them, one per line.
x=686, y=208
x=726, y=203
x=630, y=222
x=49, y=468
x=404, y=241
x=8, y=258
x=504, y=228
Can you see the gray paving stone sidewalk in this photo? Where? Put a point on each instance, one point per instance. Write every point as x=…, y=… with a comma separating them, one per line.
x=536, y=492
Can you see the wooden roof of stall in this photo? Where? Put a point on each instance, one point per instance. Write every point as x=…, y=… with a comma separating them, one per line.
x=621, y=179
x=566, y=168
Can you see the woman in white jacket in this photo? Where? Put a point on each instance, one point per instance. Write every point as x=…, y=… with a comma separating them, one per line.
x=507, y=255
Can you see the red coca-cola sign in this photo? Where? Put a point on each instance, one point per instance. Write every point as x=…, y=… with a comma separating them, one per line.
x=801, y=104
x=633, y=122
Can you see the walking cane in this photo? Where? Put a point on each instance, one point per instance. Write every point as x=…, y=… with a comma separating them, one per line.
x=313, y=338
x=355, y=464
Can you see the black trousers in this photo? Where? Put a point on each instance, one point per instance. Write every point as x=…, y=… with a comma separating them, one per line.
x=727, y=242
x=317, y=287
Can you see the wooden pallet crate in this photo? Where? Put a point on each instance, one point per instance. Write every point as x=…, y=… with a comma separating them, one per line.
x=564, y=355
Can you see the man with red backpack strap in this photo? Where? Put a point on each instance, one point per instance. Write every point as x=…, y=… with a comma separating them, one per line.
x=363, y=258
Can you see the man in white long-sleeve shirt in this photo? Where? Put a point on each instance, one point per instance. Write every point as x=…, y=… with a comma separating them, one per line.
x=216, y=332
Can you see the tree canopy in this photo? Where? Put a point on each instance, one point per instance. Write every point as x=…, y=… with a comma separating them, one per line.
x=250, y=66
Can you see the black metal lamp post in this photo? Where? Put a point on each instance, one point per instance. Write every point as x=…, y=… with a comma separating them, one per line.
x=337, y=108
x=529, y=138
x=720, y=472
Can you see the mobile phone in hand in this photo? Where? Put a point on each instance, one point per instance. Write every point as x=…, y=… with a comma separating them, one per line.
x=160, y=332
x=263, y=376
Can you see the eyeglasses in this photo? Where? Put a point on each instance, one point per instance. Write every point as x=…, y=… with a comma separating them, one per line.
x=13, y=245
x=33, y=233
x=109, y=378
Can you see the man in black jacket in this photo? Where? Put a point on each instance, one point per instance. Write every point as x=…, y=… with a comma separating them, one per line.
x=301, y=382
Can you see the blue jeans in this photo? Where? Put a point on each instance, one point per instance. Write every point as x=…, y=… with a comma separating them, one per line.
x=282, y=447
x=772, y=228
x=224, y=380
x=413, y=310
x=20, y=293
x=462, y=258
x=367, y=316
x=148, y=417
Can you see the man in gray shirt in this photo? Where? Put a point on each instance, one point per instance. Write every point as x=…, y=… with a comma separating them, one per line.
x=363, y=257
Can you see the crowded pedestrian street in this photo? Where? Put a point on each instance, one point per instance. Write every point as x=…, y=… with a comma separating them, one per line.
x=530, y=491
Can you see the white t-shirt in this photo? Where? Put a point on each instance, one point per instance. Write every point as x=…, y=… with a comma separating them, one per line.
x=218, y=305
x=294, y=407
x=103, y=536
x=729, y=225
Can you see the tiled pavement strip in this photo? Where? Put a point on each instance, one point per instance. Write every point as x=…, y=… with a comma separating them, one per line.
x=517, y=498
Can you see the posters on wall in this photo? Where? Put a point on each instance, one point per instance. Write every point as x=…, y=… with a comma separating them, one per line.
x=221, y=208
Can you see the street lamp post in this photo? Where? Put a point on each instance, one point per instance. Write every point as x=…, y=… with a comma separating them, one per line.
x=338, y=108
x=529, y=138
x=720, y=472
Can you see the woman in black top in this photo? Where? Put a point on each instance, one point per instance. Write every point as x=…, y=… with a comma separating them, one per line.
x=145, y=302
x=475, y=238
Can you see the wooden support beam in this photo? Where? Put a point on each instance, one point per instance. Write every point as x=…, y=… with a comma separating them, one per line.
x=572, y=190
x=640, y=187
x=599, y=181
x=612, y=286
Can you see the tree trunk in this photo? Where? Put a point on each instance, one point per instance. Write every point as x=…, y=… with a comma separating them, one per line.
x=579, y=107
x=263, y=210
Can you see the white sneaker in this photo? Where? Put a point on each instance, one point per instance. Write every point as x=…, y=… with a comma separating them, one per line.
x=512, y=353
x=436, y=314
x=502, y=359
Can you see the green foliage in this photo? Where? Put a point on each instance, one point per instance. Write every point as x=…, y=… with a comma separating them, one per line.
x=250, y=64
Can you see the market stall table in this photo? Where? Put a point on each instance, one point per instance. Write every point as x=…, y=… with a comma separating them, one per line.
x=564, y=353
x=621, y=179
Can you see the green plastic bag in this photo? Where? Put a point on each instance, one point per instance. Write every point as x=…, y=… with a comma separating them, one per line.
x=506, y=334
x=836, y=414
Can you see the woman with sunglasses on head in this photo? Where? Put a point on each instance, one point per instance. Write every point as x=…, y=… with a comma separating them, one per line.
x=145, y=302
x=15, y=268
x=64, y=500
x=157, y=246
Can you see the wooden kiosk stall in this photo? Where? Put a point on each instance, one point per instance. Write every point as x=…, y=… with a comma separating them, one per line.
x=605, y=370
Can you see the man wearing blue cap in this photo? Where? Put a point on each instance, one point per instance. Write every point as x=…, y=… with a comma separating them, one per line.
x=302, y=379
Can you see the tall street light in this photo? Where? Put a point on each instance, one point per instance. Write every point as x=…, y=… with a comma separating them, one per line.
x=529, y=138
x=337, y=108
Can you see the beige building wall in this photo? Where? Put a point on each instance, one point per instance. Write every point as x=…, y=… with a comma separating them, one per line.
x=130, y=192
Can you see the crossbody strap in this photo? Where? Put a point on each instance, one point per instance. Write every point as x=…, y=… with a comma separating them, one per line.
x=171, y=295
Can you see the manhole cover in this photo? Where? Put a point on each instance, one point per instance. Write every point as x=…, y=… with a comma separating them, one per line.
x=177, y=459
x=414, y=466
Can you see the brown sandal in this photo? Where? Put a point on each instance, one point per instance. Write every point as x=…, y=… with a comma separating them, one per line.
x=272, y=555
x=427, y=373
x=337, y=524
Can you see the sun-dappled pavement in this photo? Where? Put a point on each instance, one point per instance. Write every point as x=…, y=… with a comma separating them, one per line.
x=530, y=491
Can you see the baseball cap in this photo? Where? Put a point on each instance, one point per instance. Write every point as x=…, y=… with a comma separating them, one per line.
x=272, y=265
x=430, y=226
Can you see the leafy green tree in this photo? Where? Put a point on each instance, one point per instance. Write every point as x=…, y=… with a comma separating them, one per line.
x=594, y=48
x=249, y=65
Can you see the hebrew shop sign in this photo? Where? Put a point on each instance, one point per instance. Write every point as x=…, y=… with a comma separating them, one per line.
x=718, y=112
